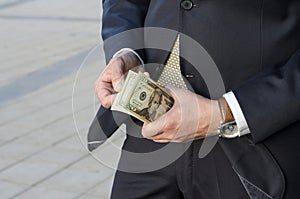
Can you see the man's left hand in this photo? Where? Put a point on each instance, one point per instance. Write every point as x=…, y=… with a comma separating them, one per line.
x=191, y=117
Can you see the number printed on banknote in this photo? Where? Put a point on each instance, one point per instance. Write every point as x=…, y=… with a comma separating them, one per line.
x=142, y=98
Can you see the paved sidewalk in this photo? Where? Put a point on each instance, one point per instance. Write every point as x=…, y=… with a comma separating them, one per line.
x=43, y=155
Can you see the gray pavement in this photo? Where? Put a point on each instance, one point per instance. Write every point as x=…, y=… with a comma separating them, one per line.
x=47, y=101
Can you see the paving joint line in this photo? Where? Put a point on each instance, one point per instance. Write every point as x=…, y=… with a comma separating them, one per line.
x=49, y=18
x=33, y=154
x=92, y=187
x=39, y=128
x=39, y=109
x=40, y=78
x=14, y=3
x=20, y=100
x=49, y=176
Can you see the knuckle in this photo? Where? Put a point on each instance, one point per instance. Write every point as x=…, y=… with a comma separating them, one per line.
x=178, y=137
x=100, y=97
x=96, y=86
x=171, y=124
x=105, y=103
x=112, y=61
x=174, y=120
x=117, y=63
x=177, y=112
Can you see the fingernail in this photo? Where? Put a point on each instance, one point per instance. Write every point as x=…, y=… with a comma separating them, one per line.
x=147, y=74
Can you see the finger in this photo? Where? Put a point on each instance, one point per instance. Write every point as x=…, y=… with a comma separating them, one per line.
x=162, y=141
x=118, y=80
x=131, y=61
x=138, y=68
x=108, y=100
x=168, y=122
x=118, y=83
x=173, y=91
x=106, y=76
x=166, y=135
x=147, y=74
x=118, y=73
x=171, y=136
x=104, y=92
x=100, y=85
x=154, y=127
x=158, y=136
x=117, y=67
x=171, y=140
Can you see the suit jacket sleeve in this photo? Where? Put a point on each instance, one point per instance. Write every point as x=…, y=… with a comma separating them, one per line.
x=118, y=17
x=271, y=100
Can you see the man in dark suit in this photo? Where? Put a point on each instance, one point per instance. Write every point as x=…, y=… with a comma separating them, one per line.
x=254, y=45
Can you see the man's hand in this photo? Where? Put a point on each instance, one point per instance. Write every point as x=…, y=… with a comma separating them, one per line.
x=191, y=117
x=112, y=78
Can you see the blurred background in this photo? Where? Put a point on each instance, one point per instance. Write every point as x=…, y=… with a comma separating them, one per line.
x=51, y=55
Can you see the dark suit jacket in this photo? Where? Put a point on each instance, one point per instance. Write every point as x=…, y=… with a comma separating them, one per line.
x=255, y=45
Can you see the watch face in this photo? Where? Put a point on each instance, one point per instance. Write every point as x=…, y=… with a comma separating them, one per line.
x=229, y=130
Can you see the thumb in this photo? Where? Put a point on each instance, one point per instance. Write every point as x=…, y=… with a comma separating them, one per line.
x=173, y=91
x=118, y=83
x=155, y=127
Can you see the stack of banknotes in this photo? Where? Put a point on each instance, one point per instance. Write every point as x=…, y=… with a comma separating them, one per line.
x=142, y=98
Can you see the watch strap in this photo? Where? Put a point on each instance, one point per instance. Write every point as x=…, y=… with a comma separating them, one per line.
x=225, y=110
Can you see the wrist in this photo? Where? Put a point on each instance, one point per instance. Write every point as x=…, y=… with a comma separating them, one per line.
x=210, y=117
x=225, y=111
x=227, y=127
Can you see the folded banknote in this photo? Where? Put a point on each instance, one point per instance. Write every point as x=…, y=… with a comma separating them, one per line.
x=142, y=98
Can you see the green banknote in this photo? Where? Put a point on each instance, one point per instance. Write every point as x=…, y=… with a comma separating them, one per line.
x=142, y=98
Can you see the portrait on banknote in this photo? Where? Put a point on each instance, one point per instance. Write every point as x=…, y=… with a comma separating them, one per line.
x=142, y=98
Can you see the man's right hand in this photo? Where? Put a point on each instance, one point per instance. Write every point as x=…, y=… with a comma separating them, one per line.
x=112, y=78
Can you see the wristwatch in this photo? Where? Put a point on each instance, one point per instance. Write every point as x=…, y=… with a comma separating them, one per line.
x=228, y=127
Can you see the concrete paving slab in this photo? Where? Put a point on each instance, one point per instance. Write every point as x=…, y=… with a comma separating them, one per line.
x=41, y=155
x=73, y=143
x=88, y=196
x=56, y=156
x=45, y=193
x=102, y=190
x=75, y=181
x=19, y=150
x=9, y=189
x=91, y=165
x=28, y=173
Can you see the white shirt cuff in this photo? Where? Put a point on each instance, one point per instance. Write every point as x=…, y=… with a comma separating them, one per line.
x=237, y=113
x=130, y=50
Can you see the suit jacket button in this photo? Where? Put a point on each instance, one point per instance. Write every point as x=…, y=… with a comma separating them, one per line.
x=187, y=4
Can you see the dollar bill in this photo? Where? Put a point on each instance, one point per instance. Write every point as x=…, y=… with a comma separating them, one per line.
x=142, y=98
